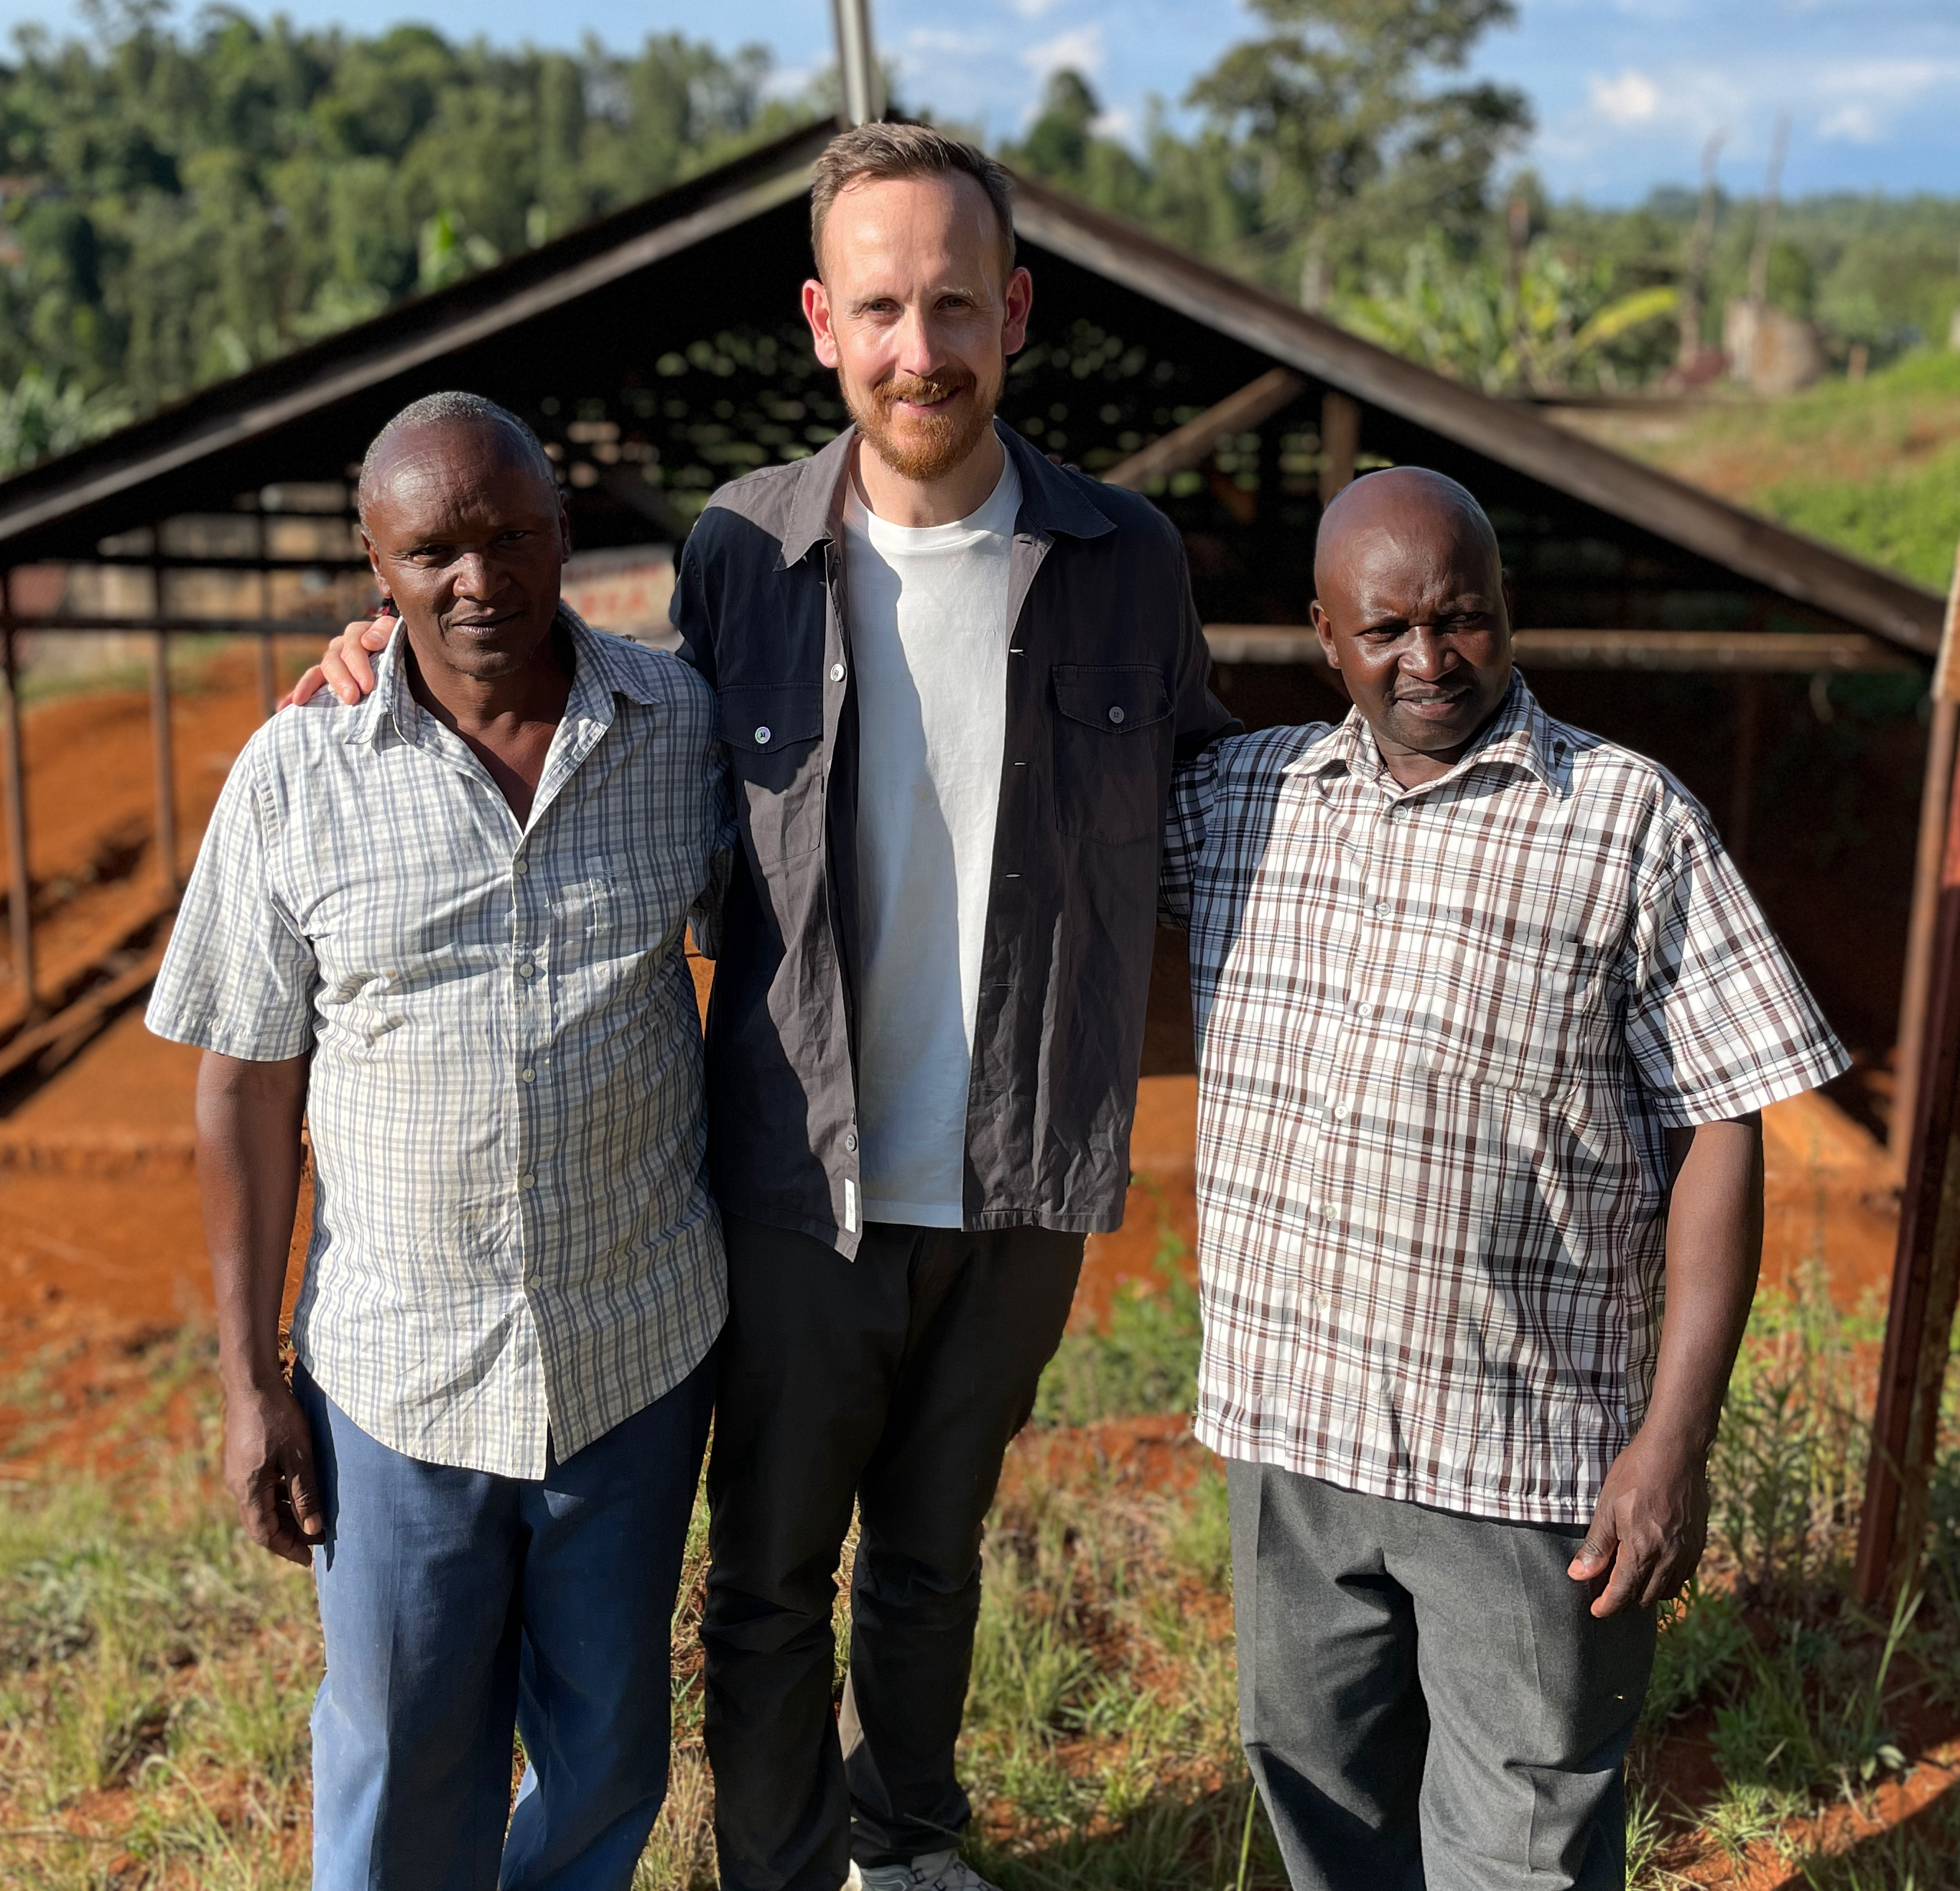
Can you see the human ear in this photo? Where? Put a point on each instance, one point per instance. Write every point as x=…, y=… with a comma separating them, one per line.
x=1019, y=303
x=1323, y=628
x=816, y=313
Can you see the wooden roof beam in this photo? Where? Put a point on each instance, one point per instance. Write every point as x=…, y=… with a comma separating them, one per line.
x=1721, y=652
x=1194, y=443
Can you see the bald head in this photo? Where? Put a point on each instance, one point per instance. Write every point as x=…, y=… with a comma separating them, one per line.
x=1411, y=611
x=485, y=432
x=465, y=530
x=1388, y=504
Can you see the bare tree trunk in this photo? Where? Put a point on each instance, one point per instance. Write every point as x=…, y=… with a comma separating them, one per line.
x=1695, y=276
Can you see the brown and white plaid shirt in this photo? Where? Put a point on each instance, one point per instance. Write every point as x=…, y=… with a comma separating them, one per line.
x=1441, y=1031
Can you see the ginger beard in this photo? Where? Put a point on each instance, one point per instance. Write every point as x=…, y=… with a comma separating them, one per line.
x=925, y=446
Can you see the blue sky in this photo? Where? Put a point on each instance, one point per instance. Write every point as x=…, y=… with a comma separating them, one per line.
x=1626, y=91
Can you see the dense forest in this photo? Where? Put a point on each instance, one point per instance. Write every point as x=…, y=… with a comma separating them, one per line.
x=179, y=201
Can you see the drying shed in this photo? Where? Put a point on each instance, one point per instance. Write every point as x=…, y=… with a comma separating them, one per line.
x=660, y=351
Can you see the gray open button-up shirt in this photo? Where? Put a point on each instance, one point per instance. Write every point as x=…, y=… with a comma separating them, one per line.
x=513, y=1239
x=1106, y=671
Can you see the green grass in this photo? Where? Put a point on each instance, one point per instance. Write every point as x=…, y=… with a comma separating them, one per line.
x=1799, y=1695
x=155, y=1669
x=1143, y=1358
x=1873, y=468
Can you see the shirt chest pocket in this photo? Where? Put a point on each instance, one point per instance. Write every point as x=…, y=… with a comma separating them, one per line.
x=1111, y=751
x=1523, y=1020
x=773, y=734
x=618, y=905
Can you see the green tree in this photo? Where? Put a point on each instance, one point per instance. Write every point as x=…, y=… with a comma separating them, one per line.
x=176, y=205
x=1358, y=149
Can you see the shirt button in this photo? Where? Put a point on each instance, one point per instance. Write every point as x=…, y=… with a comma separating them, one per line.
x=837, y=673
x=521, y=866
x=1382, y=909
x=850, y=1140
x=525, y=968
x=1340, y=1113
x=1364, y=1010
x=1115, y=712
x=529, y=1076
x=762, y=736
x=527, y=1180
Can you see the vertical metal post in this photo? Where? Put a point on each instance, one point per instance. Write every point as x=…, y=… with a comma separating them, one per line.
x=20, y=888
x=269, y=671
x=1925, y=916
x=1339, y=441
x=864, y=84
x=160, y=746
x=1925, y=1279
x=1742, y=780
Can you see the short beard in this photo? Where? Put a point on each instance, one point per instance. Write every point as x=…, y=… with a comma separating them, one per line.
x=935, y=444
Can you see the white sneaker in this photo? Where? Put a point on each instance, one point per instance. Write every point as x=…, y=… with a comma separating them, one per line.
x=935, y=1871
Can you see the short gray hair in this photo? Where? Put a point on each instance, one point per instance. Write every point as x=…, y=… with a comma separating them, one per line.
x=907, y=151
x=454, y=409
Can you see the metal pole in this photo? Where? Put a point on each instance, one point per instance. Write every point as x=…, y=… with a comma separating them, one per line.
x=160, y=747
x=1742, y=780
x=1339, y=441
x=269, y=670
x=864, y=84
x=20, y=890
x=1926, y=1278
x=1920, y=927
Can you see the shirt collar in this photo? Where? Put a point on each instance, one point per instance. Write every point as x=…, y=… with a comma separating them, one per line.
x=601, y=667
x=1052, y=499
x=1519, y=735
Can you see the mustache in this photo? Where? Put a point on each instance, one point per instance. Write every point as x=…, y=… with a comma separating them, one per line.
x=923, y=390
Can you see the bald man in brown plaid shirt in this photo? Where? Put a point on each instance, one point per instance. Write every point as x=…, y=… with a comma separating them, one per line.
x=1485, y=1020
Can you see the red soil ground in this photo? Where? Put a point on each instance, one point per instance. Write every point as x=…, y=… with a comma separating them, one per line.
x=101, y=1247
x=99, y=1226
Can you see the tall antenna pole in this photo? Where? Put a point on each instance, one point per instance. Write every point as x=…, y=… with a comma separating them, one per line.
x=858, y=63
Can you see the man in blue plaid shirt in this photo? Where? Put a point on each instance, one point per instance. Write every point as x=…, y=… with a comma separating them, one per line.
x=446, y=926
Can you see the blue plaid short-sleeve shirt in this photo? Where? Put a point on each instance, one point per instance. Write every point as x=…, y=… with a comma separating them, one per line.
x=513, y=1240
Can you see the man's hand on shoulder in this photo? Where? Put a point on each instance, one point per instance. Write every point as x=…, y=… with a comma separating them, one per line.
x=347, y=668
x=268, y=1468
x=1649, y=1527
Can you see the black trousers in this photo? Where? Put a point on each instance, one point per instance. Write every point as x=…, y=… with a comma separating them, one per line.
x=896, y=1380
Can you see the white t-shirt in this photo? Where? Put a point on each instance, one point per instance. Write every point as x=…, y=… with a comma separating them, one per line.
x=928, y=610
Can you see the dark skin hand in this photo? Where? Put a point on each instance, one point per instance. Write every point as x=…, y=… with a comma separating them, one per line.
x=248, y=1169
x=1412, y=612
x=1651, y=1521
x=467, y=539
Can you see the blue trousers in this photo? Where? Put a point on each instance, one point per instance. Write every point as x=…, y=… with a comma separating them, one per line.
x=458, y=1605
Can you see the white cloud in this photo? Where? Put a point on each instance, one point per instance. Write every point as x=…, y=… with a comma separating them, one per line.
x=940, y=41
x=1631, y=98
x=1855, y=124
x=1080, y=48
x=1033, y=9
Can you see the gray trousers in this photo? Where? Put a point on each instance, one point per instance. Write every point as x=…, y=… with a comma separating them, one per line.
x=895, y=1381
x=1424, y=1697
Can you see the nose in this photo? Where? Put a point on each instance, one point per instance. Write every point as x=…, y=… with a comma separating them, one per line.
x=1425, y=656
x=472, y=578
x=918, y=353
